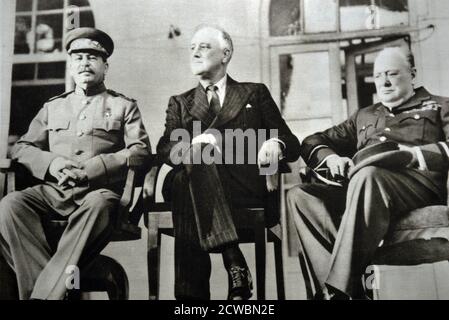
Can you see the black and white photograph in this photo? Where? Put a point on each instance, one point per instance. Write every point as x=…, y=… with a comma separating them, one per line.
x=224, y=150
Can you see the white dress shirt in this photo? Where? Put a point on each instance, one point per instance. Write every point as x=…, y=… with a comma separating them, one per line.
x=221, y=85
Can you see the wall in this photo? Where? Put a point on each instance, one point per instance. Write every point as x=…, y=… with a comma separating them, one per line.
x=432, y=49
x=150, y=67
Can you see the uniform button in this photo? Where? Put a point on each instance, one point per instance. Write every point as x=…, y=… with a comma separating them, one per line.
x=417, y=116
x=78, y=152
x=387, y=130
x=383, y=139
x=82, y=117
x=80, y=133
x=364, y=127
x=86, y=102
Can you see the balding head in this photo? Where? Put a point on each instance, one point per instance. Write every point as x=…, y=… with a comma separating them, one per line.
x=222, y=36
x=211, y=51
x=393, y=74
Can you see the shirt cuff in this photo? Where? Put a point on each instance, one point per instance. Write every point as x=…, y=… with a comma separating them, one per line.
x=282, y=143
x=324, y=161
x=421, y=160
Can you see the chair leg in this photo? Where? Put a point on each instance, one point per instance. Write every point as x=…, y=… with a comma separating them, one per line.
x=8, y=282
x=260, y=244
x=153, y=256
x=279, y=269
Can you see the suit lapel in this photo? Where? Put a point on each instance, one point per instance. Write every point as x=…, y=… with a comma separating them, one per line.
x=198, y=106
x=236, y=98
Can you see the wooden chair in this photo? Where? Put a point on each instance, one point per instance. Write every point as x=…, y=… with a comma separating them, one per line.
x=102, y=273
x=251, y=229
x=413, y=260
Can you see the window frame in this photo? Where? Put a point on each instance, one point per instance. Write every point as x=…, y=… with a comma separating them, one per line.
x=337, y=35
x=41, y=57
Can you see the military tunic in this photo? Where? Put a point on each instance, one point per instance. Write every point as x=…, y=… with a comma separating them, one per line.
x=102, y=131
x=339, y=228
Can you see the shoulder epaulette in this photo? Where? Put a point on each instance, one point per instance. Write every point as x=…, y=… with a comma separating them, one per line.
x=117, y=94
x=65, y=94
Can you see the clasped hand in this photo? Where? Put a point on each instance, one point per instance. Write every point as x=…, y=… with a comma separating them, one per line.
x=339, y=166
x=68, y=173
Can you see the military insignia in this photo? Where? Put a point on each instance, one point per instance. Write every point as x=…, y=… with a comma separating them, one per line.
x=85, y=43
x=65, y=94
x=426, y=106
x=116, y=94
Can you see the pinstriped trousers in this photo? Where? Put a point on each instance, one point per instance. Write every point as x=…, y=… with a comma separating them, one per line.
x=202, y=200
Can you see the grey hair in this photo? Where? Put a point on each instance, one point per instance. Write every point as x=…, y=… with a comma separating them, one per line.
x=406, y=55
x=225, y=39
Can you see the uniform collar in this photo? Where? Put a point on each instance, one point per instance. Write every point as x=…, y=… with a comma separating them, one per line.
x=421, y=95
x=91, y=91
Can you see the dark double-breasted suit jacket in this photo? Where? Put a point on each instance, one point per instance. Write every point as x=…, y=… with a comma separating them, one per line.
x=246, y=106
x=202, y=199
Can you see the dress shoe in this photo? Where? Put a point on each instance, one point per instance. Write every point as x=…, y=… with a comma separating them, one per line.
x=240, y=283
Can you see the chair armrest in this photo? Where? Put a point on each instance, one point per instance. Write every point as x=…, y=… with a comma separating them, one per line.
x=5, y=165
x=150, y=185
x=127, y=221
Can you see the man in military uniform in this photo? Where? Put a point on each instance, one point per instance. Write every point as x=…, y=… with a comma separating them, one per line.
x=79, y=146
x=340, y=228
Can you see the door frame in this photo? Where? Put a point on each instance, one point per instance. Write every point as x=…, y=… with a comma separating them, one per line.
x=335, y=74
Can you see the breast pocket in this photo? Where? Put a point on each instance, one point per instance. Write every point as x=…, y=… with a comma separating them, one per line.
x=106, y=126
x=420, y=127
x=107, y=134
x=251, y=117
x=58, y=127
x=365, y=132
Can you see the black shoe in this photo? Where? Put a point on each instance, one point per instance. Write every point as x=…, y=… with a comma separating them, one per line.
x=240, y=283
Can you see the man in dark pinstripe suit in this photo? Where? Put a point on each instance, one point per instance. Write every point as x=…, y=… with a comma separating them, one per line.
x=203, y=195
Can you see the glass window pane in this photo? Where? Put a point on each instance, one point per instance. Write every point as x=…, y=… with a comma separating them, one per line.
x=392, y=13
x=22, y=35
x=372, y=14
x=87, y=19
x=305, y=85
x=26, y=103
x=354, y=14
x=320, y=15
x=51, y=70
x=285, y=17
x=49, y=33
x=50, y=4
x=23, y=71
x=24, y=5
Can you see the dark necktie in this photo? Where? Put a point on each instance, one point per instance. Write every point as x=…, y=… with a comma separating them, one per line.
x=215, y=100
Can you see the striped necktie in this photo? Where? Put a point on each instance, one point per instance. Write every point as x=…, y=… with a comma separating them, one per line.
x=215, y=100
